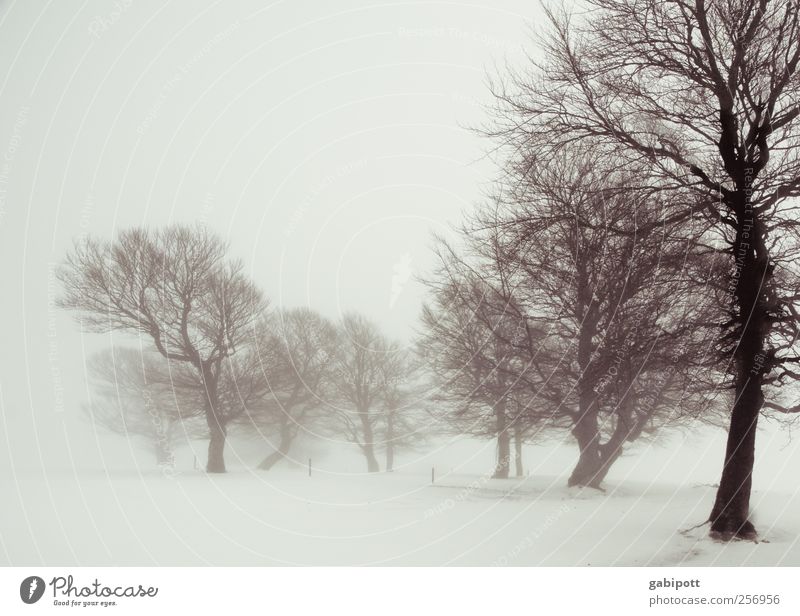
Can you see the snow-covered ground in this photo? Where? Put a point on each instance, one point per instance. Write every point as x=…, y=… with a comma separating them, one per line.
x=281, y=517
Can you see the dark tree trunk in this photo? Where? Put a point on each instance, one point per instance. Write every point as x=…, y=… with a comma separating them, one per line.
x=730, y=514
x=216, y=445
x=216, y=424
x=520, y=469
x=597, y=458
x=585, y=427
x=626, y=428
x=503, y=441
x=587, y=434
x=271, y=460
x=280, y=452
x=372, y=461
x=368, y=447
x=609, y=453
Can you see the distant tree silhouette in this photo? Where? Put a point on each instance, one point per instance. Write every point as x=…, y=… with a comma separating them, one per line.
x=177, y=287
x=708, y=94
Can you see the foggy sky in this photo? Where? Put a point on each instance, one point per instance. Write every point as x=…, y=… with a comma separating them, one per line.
x=326, y=140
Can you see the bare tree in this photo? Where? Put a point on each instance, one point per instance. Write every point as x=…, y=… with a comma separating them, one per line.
x=294, y=353
x=468, y=361
x=359, y=381
x=521, y=435
x=401, y=404
x=565, y=294
x=177, y=287
x=709, y=92
x=133, y=395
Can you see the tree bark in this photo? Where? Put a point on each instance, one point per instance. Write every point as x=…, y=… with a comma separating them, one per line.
x=520, y=469
x=216, y=445
x=597, y=458
x=503, y=441
x=730, y=514
x=587, y=435
x=368, y=446
x=281, y=452
x=216, y=424
x=372, y=461
x=609, y=453
x=585, y=427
